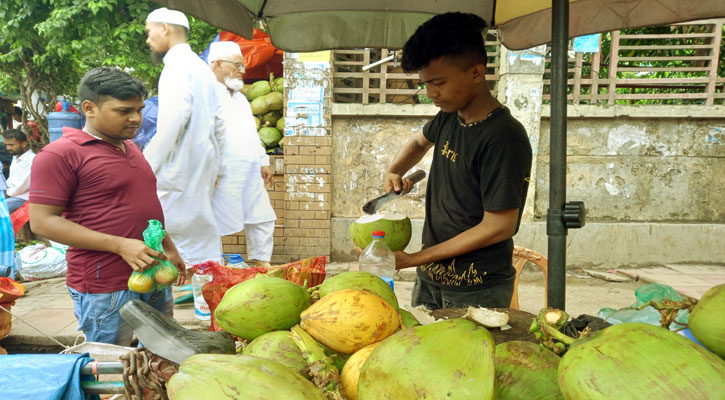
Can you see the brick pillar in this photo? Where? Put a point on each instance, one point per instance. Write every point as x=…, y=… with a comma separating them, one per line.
x=307, y=156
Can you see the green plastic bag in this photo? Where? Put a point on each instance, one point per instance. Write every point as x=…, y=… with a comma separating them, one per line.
x=160, y=275
x=655, y=292
x=649, y=315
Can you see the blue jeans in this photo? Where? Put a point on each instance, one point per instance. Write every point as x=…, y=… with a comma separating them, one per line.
x=99, y=318
x=14, y=203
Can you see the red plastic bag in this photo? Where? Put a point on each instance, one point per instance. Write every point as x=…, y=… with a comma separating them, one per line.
x=20, y=217
x=10, y=290
x=260, y=55
x=306, y=273
x=223, y=278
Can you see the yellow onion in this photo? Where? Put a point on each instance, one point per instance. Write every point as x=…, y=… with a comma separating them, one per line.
x=348, y=320
x=166, y=273
x=141, y=282
x=351, y=371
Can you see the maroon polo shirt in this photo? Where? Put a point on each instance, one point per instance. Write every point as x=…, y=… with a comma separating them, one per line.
x=103, y=189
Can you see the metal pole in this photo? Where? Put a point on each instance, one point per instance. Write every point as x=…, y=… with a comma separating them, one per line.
x=555, y=227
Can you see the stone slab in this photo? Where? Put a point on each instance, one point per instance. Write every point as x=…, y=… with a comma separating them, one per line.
x=676, y=281
x=693, y=269
x=607, y=276
x=693, y=291
x=49, y=320
x=711, y=279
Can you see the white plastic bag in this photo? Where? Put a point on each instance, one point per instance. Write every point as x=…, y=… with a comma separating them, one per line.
x=42, y=262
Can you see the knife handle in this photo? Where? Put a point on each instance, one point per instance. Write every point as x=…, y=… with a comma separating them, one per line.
x=416, y=176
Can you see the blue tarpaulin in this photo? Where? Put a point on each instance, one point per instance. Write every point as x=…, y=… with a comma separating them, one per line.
x=42, y=376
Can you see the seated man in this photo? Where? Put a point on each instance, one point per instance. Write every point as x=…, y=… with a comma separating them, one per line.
x=93, y=190
x=19, y=180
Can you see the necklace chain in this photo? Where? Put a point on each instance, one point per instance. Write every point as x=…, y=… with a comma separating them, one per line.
x=465, y=125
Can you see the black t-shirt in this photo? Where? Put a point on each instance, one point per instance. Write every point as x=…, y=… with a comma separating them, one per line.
x=477, y=167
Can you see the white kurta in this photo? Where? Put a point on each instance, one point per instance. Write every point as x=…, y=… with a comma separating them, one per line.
x=241, y=198
x=185, y=154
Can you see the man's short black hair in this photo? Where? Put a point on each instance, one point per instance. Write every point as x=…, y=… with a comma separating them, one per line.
x=457, y=36
x=16, y=134
x=100, y=83
x=17, y=110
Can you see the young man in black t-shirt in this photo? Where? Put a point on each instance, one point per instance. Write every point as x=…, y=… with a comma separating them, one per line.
x=479, y=175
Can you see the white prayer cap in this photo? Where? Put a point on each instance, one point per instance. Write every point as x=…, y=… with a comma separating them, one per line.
x=165, y=16
x=218, y=50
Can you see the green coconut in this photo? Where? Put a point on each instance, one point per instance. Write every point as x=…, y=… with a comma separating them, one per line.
x=526, y=370
x=278, y=85
x=275, y=100
x=407, y=318
x=278, y=346
x=359, y=280
x=451, y=359
x=270, y=136
x=707, y=320
x=261, y=305
x=396, y=226
x=220, y=376
x=257, y=90
x=338, y=359
x=271, y=118
x=259, y=106
x=280, y=124
x=281, y=143
x=257, y=122
x=640, y=361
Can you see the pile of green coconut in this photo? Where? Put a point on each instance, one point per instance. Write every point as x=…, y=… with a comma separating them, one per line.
x=349, y=339
x=267, y=101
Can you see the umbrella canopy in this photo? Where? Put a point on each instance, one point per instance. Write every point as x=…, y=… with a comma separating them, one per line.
x=311, y=25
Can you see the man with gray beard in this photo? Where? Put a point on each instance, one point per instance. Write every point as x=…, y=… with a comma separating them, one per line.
x=185, y=154
x=241, y=201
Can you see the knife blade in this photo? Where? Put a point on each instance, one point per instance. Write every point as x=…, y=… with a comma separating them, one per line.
x=372, y=206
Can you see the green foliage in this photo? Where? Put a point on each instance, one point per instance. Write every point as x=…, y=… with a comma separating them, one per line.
x=47, y=45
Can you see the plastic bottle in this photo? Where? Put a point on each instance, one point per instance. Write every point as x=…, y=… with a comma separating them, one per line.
x=378, y=259
x=200, y=277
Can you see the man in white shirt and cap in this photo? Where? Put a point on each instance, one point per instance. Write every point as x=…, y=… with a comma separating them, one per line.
x=18, y=183
x=241, y=201
x=186, y=152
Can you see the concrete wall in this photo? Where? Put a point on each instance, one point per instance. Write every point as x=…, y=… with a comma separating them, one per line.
x=650, y=178
x=364, y=140
x=641, y=168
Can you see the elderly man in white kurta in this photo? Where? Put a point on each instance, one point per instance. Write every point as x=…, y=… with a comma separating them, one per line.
x=185, y=154
x=240, y=201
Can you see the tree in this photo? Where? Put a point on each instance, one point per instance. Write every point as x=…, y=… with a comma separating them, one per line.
x=47, y=45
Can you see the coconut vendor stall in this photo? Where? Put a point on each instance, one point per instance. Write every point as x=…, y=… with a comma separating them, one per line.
x=293, y=332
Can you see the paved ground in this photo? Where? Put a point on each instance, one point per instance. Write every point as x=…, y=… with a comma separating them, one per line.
x=48, y=307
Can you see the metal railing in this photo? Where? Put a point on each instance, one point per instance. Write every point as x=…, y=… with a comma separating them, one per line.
x=677, y=65
x=375, y=75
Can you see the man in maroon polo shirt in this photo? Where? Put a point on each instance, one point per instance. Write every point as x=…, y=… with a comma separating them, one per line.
x=93, y=190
